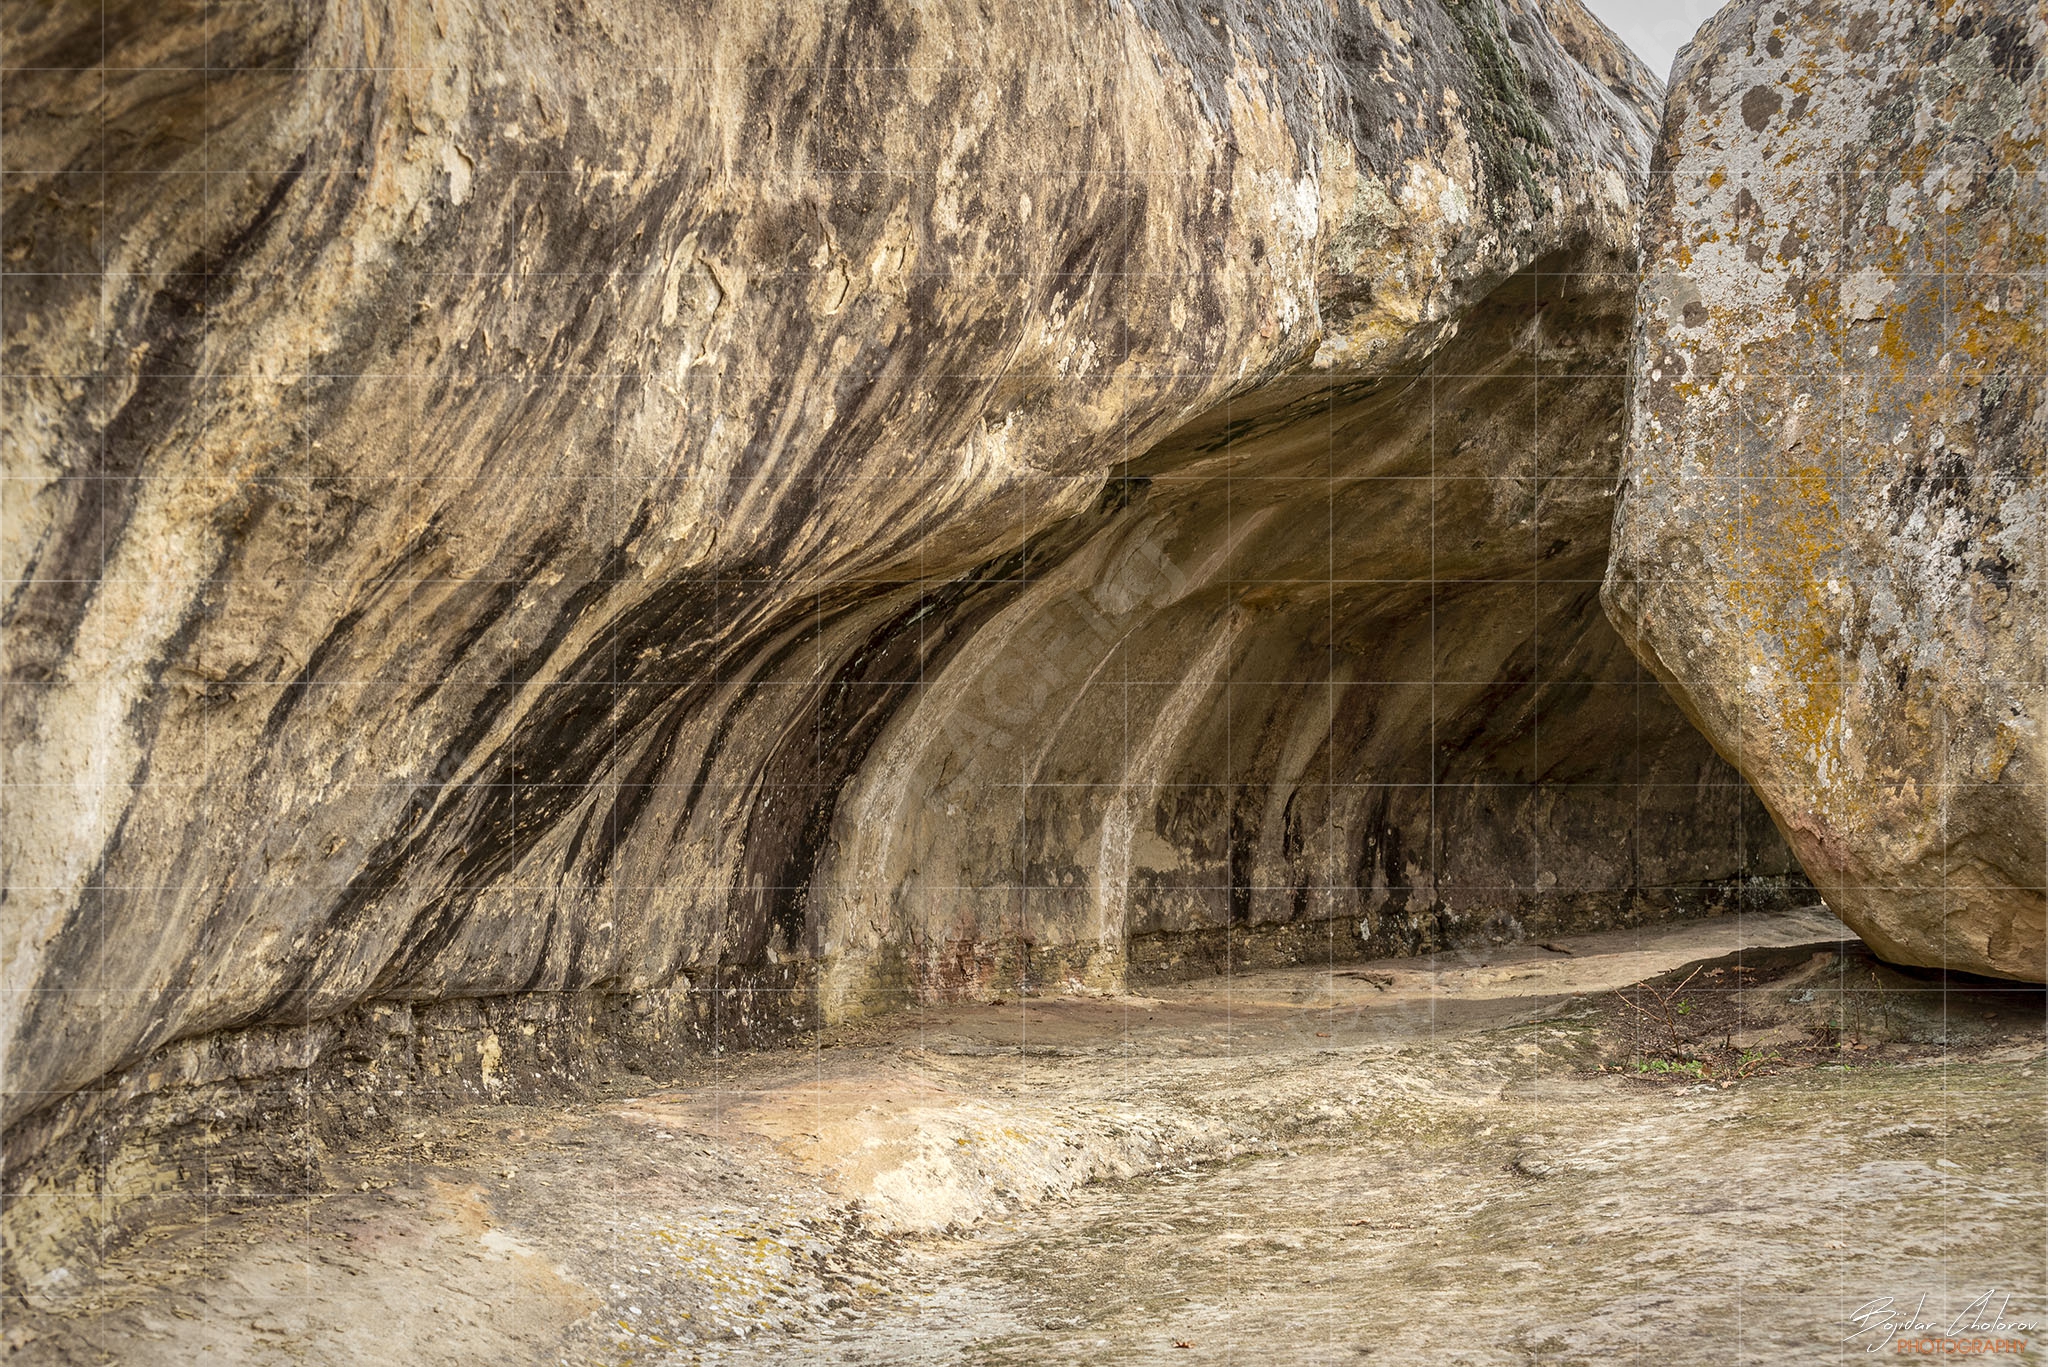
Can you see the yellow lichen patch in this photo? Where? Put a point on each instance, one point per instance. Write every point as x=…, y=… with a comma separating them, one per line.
x=1787, y=599
x=1996, y=322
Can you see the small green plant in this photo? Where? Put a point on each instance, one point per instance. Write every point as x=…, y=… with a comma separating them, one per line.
x=1827, y=1033
x=1687, y=1067
x=1753, y=1061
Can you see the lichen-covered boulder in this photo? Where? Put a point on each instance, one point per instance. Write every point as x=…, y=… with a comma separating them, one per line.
x=1830, y=538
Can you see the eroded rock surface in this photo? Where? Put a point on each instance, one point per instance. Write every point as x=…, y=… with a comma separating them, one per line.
x=1830, y=542
x=540, y=530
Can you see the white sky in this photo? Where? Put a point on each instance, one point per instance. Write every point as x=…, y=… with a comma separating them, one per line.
x=1656, y=29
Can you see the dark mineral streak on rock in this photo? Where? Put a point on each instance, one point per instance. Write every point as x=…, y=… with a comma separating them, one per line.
x=548, y=535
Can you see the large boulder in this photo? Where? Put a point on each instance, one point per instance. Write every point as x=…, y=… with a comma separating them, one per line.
x=1830, y=538
x=534, y=527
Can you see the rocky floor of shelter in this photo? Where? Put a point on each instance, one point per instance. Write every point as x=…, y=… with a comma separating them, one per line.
x=1710, y=1142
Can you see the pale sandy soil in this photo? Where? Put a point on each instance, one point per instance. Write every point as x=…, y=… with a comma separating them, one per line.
x=1448, y=1161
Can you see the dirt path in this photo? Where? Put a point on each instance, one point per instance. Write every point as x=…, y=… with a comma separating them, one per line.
x=1482, y=1160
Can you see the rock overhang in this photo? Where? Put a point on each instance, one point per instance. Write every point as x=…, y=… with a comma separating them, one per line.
x=538, y=547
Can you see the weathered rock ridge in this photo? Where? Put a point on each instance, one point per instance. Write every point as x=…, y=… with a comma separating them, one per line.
x=532, y=524
x=1830, y=541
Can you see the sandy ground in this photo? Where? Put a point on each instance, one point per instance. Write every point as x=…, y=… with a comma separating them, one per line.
x=1485, y=1159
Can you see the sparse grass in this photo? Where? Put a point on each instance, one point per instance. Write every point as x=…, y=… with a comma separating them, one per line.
x=1693, y=1068
x=1754, y=1061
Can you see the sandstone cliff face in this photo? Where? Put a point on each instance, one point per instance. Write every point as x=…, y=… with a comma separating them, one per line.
x=1830, y=542
x=530, y=520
